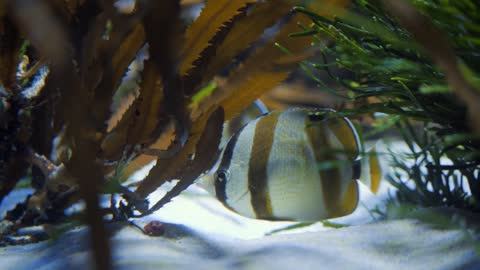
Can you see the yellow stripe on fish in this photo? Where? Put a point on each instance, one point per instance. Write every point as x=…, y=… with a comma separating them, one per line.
x=296, y=164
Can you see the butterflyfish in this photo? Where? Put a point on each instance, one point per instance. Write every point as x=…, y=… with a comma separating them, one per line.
x=297, y=164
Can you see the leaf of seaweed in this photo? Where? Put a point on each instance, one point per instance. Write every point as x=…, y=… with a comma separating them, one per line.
x=163, y=143
x=168, y=169
x=12, y=168
x=116, y=138
x=44, y=31
x=148, y=107
x=164, y=42
x=120, y=117
x=12, y=151
x=259, y=73
x=197, y=37
x=65, y=9
x=190, y=2
x=49, y=36
x=140, y=123
x=442, y=53
x=126, y=52
x=110, y=53
x=193, y=79
x=164, y=35
x=39, y=24
x=10, y=46
x=206, y=154
x=245, y=30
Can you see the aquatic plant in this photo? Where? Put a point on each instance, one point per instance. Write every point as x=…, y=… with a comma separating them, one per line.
x=416, y=63
x=93, y=90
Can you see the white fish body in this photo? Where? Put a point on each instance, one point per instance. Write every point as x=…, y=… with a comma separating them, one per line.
x=274, y=167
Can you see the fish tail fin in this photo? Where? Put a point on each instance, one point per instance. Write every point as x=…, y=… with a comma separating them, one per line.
x=371, y=171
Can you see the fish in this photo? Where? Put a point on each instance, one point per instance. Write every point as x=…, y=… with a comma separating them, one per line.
x=295, y=164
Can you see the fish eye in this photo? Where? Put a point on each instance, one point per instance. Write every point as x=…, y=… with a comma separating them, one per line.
x=222, y=175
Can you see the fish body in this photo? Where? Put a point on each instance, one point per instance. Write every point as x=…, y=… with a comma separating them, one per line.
x=296, y=164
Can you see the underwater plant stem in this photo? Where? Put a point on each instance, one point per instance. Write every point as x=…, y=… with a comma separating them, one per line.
x=441, y=51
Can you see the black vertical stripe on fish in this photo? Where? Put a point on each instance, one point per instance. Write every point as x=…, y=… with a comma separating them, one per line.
x=349, y=201
x=331, y=187
x=329, y=178
x=258, y=164
x=221, y=180
x=357, y=169
x=220, y=186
